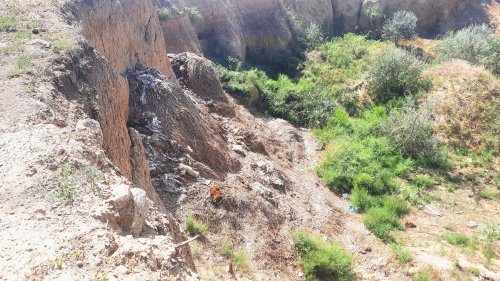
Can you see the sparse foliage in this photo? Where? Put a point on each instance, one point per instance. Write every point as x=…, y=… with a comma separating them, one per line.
x=66, y=184
x=196, y=227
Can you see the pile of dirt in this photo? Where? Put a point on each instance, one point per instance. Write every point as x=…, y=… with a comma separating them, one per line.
x=465, y=100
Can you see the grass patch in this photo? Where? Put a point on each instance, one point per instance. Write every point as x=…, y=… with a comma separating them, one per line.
x=66, y=184
x=23, y=66
x=196, y=227
x=381, y=222
x=322, y=260
x=8, y=23
x=456, y=239
x=402, y=255
x=240, y=260
x=427, y=274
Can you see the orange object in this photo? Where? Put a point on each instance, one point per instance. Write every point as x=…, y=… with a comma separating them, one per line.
x=215, y=194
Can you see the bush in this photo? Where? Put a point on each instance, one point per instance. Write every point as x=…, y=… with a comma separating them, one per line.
x=196, y=227
x=163, y=13
x=364, y=201
x=395, y=205
x=423, y=182
x=402, y=25
x=476, y=44
x=8, y=23
x=410, y=129
x=321, y=260
x=402, y=255
x=395, y=74
x=381, y=221
x=313, y=37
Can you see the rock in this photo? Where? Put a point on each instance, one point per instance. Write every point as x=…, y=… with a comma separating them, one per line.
x=171, y=184
x=215, y=194
x=409, y=224
x=190, y=171
x=120, y=195
x=262, y=190
x=238, y=149
x=120, y=270
x=433, y=210
x=141, y=207
x=39, y=42
x=472, y=224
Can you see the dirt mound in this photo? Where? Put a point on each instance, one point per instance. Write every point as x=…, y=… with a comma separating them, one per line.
x=465, y=101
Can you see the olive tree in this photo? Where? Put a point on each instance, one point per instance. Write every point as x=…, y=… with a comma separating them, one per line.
x=402, y=25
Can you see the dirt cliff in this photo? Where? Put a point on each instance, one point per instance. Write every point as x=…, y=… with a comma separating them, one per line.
x=243, y=28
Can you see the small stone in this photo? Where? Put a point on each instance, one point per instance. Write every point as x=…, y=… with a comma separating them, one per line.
x=409, y=224
x=120, y=270
x=79, y=264
x=239, y=149
x=472, y=224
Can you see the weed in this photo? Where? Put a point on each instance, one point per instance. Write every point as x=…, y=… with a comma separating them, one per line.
x=427, y=274
x=196, y=227
x=240, y=259
x=395, y=205
x=227, y=248
x=66, y=184
x=402, y=255
x=23, y=66
x=381, y=222
x=456, y=239
x=8, y=23
x=452, y=187
x=61, y=45
x=59, y=264
x=423, y=182
x=489, y=252
x=321, y=260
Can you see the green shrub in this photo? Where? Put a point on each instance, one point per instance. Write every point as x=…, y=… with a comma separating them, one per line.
x=23, y=66
x=321, y=260
x=240, y=259
x=395, y=205
x=402, y=255
x=476, y=44
x=410, y=129
x=402, y=25
x=196, y=227
x=163, y=13
x=363, y=200
x=8, y=23
x=313, y=36
x=381, y=222
x=456, y=239
x=395, y=74
x=423, y=182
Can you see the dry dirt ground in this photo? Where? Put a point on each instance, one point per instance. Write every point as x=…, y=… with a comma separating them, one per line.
x=44, y=238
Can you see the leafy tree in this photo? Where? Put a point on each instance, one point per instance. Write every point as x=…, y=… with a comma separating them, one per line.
x=402, y=25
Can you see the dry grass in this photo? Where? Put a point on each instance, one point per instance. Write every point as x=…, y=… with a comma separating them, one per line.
x=426, y=45
x=464, y=99
x=494, y=13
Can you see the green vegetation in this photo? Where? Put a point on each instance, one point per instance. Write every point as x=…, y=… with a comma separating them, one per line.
x=321, y=260
x=476, y=44
x=313, y=37
x=8, y=23
x=166, y=13
x=402, y=255
x=196, y=227
x=456, y=239
x=381, y=221
x=240, y=259
x=395, y=74
x=427, y=274
x=66, y=184
x=402, y=25
x=23, y=66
